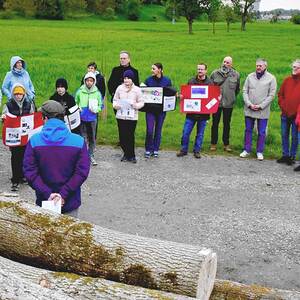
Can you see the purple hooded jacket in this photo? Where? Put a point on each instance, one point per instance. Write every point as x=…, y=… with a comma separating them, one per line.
x=56, y=161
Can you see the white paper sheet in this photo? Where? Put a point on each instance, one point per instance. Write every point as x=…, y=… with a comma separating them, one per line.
x=50, y=205
x=169, y=103
x=13, y=136
x=152, y=94
x=191, y=105
x=126, y=109
x=199, y=91
x=27, y=124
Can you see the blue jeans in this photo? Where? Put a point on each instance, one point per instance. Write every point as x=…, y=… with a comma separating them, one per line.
x=154, y=127
x=261, y=128
x=286, y=124
x=187, y=129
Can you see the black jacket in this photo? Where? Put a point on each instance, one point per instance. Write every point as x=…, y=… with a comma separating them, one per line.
x=16, y=110
x=100, y=83
x=116, y=78
x=66, y=100
x=195, y=80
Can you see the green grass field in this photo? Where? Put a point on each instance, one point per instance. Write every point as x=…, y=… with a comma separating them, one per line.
x=63, y=48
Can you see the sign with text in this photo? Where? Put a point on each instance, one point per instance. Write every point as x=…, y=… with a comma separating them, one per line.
x=152, y=94
x=200, y=99
x=16, y=131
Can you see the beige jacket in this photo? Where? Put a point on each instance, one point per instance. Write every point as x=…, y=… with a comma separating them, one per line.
x=133, y=95
x=260, y=92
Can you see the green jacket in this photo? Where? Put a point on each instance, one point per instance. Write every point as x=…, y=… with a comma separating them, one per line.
x=229, y=83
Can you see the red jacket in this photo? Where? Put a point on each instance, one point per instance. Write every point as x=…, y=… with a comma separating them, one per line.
x=289, y=95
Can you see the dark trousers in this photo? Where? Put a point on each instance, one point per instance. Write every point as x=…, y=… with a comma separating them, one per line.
x=126, y=136
x=227, y=112
x=17, y=155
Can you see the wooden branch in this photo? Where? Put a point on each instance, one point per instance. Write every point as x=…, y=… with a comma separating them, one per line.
x=41, y=238
x=25, y=282
x=228, y=290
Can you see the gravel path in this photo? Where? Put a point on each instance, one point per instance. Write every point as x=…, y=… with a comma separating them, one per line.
x=247, y=211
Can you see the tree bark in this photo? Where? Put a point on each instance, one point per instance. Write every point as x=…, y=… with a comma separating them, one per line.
x=228, y=290
x=38, y=237
x=24, y=282
x=190, y=22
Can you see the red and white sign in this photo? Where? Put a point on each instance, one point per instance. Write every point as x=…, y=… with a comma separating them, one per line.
x=16, y=131
x=200, y=99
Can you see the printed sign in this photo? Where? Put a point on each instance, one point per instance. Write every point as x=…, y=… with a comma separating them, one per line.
x=169, y=103
x=73, y=119
x=16, y=131
x=200, y=99
x=152, y=94
x=126, y=110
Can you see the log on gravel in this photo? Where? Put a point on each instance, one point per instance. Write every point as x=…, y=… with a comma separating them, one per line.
x=229, y=290
x=19, y=281
x=38, y=237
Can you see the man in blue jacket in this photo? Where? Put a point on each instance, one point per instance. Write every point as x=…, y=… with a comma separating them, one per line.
x=56, y=161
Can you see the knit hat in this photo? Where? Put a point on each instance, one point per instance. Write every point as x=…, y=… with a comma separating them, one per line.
x=128, y=74
x=52, y=109
x=18, y=90
x=61, y=82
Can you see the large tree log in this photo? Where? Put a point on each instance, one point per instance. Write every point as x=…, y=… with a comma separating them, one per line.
x=228, y=290
x=40, y=238
x=25, y=282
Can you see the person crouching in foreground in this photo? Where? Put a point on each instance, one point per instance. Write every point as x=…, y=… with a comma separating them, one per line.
x=56, y=161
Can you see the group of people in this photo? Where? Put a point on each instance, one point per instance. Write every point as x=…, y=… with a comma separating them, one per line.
x=43, y=161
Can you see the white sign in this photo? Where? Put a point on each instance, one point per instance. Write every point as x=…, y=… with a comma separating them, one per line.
x=13, y=136
x=169, y=103
x=73, y=120
x=199, y=91
x=152, y=94
x=211, y=103
x=51, y=205
x=27, y=124
x=126, y=110
x=192, y=105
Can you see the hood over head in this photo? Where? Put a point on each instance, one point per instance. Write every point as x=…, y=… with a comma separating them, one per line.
x=13, y=61
x=54, y=131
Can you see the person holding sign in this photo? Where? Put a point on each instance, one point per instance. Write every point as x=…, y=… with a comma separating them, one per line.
x=89, y=100
x=192, y=119
x=18, y=105
x=127, y=101
x=56, y=161
x=64, y=98
x=155, y=115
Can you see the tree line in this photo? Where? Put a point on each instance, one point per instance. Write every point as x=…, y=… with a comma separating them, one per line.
x=215, y=10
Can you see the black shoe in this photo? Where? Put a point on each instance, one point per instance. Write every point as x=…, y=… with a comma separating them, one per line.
x=181, y=153
x=23, y=181
x=124, y=158
x=283, y=160
x=297, y=169
x=290, y=161
x=197, y=155
x=132, y=160
x=15, y=187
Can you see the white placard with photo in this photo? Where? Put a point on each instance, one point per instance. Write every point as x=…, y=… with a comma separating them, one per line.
x=199, y=91
x=73, y=120
x=152, y=94
x=13, y=136
x=27, y=124
x=192, y=105
x=169, y=103
x=126, y=109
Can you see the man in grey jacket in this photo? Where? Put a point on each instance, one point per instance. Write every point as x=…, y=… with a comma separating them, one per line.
x=258, y=93
x=229, y=80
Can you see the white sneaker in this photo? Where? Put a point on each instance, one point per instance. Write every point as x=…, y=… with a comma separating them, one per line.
x=244, y=154
x=93, y=161
x=260, y=156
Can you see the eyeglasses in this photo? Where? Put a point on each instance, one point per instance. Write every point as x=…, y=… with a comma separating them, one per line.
x=296, y=67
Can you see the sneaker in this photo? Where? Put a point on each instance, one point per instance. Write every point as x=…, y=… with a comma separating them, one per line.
x=213, y=147
x=244, y=154
x=282, y=160
x=24, y=181
x=197, y=155
x=181, y=153
x=290, y=161
x=132, y=160
x=259, y=156
x=297, y=169
x=155, y=154
x=15, y=187
x=227, y=148
x=124, y=158
x=93, y=161
x=147, y=154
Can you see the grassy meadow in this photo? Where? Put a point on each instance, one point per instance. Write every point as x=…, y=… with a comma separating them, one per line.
x=55, y=49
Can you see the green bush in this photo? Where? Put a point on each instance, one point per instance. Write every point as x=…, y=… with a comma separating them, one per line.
x=109, y=13
x=133, y=10
x=6, y=15
x=296, y=19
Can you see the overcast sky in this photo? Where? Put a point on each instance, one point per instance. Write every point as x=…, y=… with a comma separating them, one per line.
x=272, y=4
